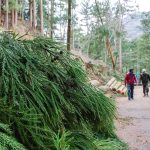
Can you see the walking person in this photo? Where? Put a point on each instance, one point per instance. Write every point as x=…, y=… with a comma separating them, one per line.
x=130, y=79
x=145, y=78
x=138, y=78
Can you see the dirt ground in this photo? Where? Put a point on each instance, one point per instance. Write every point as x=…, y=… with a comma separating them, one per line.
x=133, y=120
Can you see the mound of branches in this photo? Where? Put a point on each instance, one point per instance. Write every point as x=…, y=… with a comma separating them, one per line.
x=46, y=103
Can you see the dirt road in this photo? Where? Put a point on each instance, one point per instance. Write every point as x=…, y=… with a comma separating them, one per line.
x=133, y=123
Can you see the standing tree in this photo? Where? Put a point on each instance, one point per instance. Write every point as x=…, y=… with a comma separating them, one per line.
x=102, y=10
x=6, y=15
x=69, y=26
x=22, y=3
x=12, y=17
x=34, y=14
x=52, y=19
x=13, y=7
x=16, y=13
x=31, y=11
x=0, y=12
x=41, y=17
x=86, y=10
x=118, y=32
x=123, y=8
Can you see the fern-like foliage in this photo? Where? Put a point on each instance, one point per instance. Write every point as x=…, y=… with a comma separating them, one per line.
x=45, y=98
x=7, y=141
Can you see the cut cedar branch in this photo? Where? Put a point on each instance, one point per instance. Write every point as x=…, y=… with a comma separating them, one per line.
x=46, y=101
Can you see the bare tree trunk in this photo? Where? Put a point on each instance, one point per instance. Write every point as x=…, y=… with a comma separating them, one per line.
x=60, y=27
x=22, y=11
x=88, y=35
x=31, y=12
x=120, y=54
x=52, y=18
x=72, y=32
x=6, y=18
x=0, y=12
x=34, y=15
x=48, y=10
x=41, y=17
x=105, y=51
x=12, y=18
x=109, y=48
x=69, y=26
x=16, y=13
x=119, y=39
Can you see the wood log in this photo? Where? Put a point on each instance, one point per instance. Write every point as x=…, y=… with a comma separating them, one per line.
x=124, y=91
x=118, y=84
x=120, y=89
x=110, y=82
x=104, y=88
x=94, y=82
x=112, y=85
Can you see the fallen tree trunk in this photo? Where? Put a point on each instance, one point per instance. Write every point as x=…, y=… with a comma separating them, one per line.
x=116, y=86
x=120, y=89
x=114, y=83
x=110, y=82
x=124, y=91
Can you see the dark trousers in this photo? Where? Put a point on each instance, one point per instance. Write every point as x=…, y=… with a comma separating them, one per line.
x=145, y=88
x=130, y=91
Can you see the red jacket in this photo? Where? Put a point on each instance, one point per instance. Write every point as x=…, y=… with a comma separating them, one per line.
x=130, y=79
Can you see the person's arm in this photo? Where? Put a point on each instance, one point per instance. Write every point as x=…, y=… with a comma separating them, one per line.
x=125, y=80
x=149, y=77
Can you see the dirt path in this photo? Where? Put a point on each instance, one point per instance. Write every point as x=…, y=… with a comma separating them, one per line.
x=133, y=123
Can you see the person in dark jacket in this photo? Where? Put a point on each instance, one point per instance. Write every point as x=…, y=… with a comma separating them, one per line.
x=145, y=78
x=130, y=79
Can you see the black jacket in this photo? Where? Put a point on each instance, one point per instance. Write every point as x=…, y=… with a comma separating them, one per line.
x=145, y=78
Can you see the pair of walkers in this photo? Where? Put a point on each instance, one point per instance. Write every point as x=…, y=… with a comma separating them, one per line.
x=130, y=80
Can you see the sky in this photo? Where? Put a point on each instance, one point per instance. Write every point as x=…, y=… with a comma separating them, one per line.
x=144, y=5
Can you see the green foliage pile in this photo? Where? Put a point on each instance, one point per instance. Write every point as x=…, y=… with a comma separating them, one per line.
x=45, y=100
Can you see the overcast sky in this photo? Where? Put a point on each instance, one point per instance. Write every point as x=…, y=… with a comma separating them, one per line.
x=144, y=5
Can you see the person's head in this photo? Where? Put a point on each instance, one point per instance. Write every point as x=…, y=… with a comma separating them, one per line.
x=143, y=70
x=131, y=70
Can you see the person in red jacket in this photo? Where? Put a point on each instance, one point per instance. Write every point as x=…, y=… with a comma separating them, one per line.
x=130, y=79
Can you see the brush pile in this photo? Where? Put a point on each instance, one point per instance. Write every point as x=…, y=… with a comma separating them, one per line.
x=46, y=103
